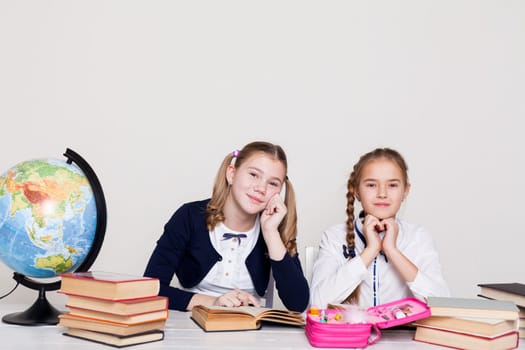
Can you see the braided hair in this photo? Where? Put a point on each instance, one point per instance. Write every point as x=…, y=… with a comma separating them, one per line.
x=352, y=187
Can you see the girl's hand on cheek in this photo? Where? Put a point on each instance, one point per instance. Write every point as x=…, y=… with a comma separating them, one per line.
x=273, y=214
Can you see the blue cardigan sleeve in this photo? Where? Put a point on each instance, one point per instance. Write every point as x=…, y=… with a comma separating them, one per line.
x=167, y=256
x=290, y=283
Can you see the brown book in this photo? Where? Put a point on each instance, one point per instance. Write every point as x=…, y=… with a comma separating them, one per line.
x=119, y=307
x=466, y=341
x=514, y=292
x=108, y=285
x=68, y=320
x=115, y=340
x=220, y=318
x=485, y=327
x=124, y=319
x=471, y=307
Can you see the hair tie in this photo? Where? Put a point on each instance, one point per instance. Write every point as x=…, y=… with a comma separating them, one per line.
x=236, y=153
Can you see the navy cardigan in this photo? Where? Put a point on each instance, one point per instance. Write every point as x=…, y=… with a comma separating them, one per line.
x=185, y=249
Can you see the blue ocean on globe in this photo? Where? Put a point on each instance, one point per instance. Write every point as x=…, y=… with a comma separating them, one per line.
x=48, y=217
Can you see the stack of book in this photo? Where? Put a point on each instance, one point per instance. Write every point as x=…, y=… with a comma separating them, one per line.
x=514, y=292
x=470, y=323
x=113, y=309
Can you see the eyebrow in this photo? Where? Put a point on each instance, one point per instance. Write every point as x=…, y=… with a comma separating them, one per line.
x=262, y=172
x=376, y=180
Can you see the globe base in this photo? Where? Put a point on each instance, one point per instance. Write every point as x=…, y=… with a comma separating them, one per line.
x=39, y=314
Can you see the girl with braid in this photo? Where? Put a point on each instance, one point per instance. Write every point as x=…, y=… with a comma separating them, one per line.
x=377, y=257
x=223, y=249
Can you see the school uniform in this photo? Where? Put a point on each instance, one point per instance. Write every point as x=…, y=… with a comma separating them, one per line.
x=335, y=276
x=186, y=250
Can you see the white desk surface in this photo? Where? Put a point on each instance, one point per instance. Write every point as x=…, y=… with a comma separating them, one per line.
x=182, y=333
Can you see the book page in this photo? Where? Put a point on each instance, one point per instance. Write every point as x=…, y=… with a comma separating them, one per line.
x=250, y=310
x=286, y=318
x=258, y=313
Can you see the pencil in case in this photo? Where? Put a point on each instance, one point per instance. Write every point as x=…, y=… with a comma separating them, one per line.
x=335, y=332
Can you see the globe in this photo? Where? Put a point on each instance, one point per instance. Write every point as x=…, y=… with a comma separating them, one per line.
x=48, y=217
x=52, y=221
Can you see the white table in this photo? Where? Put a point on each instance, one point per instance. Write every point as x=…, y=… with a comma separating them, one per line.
x=182, y=333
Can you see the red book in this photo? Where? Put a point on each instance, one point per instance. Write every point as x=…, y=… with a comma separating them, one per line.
x=122, y=319
x=72, y=321
x=126, y=307
x=108, y=285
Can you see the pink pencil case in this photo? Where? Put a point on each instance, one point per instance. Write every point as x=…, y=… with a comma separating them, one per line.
x=329, y=328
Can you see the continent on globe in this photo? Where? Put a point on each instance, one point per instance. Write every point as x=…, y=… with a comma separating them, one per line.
x=55, y=262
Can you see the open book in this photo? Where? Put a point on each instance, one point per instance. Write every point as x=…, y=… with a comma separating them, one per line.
x=220, y=318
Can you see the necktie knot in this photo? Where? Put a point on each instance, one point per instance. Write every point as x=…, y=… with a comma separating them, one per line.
x=234, y=237
x=348, y=252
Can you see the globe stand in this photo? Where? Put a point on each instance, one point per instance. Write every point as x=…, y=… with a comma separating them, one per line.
x=41, y=312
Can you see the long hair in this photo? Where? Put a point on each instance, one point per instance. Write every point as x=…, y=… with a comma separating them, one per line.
x=215, y=214
x=353, y=184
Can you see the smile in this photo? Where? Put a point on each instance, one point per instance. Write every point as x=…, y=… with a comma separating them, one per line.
x=255, y=199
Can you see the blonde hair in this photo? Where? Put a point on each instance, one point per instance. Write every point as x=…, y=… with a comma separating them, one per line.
x=352, y=185
x=214, y=210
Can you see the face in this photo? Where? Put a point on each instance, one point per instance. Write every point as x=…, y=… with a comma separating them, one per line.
x=255, y=181
x=382, y=188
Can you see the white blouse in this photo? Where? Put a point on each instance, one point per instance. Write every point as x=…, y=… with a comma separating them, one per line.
x=231, y=272
x=334, y=277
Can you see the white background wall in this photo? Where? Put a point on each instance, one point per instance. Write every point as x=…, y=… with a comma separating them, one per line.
x=153, y=94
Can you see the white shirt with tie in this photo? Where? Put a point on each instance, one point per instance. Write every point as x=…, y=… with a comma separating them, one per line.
x=334, y=276
x=231, y=272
